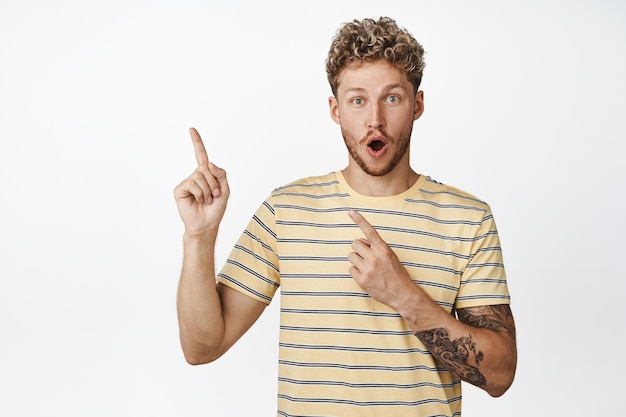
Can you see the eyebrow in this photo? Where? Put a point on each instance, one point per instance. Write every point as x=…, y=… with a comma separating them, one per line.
x=392, y=86
x=355, y=90
x=387, y=88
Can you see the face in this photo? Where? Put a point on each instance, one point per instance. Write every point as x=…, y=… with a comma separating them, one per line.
x=376, y=106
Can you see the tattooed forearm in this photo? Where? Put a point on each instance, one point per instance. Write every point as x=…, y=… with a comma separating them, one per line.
x=455, y=354
x=497, y=318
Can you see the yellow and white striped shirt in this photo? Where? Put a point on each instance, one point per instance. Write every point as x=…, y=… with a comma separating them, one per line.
x=341, y=353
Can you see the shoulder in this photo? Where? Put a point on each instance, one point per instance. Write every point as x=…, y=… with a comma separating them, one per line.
x=313, y=185
x=440, y=193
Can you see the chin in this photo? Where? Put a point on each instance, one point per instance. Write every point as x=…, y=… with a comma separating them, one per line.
x=377, y=172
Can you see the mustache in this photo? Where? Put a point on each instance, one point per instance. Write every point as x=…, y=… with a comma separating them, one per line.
x=376, y=132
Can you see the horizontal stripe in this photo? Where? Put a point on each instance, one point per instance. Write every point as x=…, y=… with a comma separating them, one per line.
x=285, y=414
x=313, y=258
x=453, y=194
x=316, y=276
x=325, y=294
x=370, y=403
x=429, y=250
x=350, y=348
x=312, y=196
x=435, y=267
x=444, y=206
x=314, y=241
x=484, y=297
x=486, y=264
x=344, y=330
x=483, y=281
x=365, y=210
x=307, y=184
x=366, y=385
x=377, y=227
x=338, y=312
x=360, y=367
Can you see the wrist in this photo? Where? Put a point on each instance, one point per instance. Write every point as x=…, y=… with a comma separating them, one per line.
x=207, y=235
x=419, y=310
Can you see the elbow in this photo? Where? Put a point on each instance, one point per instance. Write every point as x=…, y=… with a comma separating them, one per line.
x=503, y=378
x=199, y=358
x=200, y=354
x=503, y=384
x=195, y=360
x=498, y=391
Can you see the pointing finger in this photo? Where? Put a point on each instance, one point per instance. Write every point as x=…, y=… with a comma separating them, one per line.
x=201, y=156
x=368, y=230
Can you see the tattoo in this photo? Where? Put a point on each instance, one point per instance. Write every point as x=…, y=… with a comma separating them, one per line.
x=497, y=318
x=454, y=354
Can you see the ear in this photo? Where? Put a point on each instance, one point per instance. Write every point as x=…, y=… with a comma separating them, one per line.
x=419, y=105
x=334, y=109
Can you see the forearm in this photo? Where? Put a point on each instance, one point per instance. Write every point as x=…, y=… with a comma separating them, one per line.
x=479, y=347
x=481, y=357
x=481, y=351
x=200, y=318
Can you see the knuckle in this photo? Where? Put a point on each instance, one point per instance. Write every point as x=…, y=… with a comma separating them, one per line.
x=199, y=172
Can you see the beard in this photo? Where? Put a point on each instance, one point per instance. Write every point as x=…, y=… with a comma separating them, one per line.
x=402, y=142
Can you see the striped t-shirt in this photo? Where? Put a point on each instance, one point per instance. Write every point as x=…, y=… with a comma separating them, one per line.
x=341, y=353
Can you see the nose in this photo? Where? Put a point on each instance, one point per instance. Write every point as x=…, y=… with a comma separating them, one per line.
x=376, y=118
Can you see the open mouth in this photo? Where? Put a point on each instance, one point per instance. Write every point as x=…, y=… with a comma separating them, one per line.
x=376, y=145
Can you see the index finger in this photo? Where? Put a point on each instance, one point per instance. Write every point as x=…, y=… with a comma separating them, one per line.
x=368, y=230
x=201, y=156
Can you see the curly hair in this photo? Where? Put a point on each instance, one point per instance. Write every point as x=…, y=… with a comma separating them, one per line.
x=370, y=40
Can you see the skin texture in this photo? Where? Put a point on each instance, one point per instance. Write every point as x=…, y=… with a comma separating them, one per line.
x=211, y=318
x=376, y=107
x=369, y=108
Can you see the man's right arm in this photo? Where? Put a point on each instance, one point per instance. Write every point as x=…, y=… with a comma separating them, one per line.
x=211, y=317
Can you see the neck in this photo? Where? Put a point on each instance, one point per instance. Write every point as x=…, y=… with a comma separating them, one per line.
x=396, y=182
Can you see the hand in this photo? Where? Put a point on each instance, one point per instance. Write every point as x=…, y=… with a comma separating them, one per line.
x=376, y=268
x=201, y=198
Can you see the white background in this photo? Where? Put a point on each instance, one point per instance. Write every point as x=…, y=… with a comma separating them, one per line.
x=524, y=108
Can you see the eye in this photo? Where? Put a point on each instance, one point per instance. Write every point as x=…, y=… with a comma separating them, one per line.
x=357, y=101
x=393, y=99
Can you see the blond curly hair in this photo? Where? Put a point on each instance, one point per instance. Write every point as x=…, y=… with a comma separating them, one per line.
x=369, y=40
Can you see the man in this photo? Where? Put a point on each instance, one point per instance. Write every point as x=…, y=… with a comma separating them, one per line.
x=392, y=284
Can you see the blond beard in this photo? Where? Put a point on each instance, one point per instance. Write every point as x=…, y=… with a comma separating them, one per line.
x=404, y=141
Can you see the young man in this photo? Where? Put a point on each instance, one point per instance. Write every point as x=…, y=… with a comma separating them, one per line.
x=392, y=285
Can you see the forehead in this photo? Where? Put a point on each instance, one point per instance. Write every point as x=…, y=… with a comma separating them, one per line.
x=371, y=76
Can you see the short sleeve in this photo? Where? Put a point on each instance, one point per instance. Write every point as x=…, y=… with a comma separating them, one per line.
x=483, y=282
x=252, y=266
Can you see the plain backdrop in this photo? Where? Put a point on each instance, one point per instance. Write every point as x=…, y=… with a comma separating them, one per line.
x=524, y=108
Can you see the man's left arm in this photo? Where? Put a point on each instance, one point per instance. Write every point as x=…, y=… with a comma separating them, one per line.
x=479, y=346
